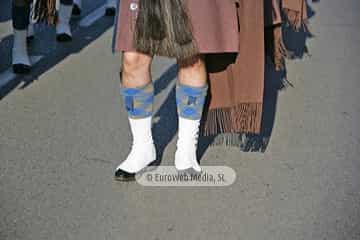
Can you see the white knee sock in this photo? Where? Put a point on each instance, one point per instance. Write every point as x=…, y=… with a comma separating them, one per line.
x=143, y=149
x=185, y=156
x=63, y=25
x=30, y=30
x=19, y=51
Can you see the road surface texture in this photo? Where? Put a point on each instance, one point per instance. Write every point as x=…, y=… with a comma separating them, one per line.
x=63, y=130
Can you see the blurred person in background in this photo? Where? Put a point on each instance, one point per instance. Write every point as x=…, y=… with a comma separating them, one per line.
x=23, y=30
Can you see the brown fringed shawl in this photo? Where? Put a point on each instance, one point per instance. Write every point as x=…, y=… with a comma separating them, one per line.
x=236, y=93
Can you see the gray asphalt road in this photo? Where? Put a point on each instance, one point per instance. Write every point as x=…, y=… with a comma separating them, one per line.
x=63, y=130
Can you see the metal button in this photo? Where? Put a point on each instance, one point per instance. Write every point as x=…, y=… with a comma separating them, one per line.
x=133, y=6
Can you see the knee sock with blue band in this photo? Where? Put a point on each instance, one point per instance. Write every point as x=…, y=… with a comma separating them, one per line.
x=190, y=101
x=139, y=101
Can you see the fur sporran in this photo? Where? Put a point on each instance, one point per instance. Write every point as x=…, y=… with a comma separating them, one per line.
x=45, y=11
x=163, y=28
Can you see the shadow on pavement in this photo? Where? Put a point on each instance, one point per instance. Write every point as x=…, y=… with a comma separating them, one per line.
x=55, y=53
x=166, y=128
x=275, y=81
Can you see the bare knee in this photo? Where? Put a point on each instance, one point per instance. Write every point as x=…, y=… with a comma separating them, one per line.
x=135, y=69
x=135, y=62
x=195, y=63
x=192, y=72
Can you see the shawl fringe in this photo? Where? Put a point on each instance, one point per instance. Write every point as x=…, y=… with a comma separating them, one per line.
x=228, y=139
x=295, y=20
x=275, y=47
x=245, y=117
x=245, y=142
x=274, y=41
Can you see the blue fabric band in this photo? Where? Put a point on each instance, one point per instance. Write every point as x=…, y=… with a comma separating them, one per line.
x=139, y=101
x=190, y=101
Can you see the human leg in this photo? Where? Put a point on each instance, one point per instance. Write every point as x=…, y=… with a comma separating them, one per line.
x=20, y=21
x=63, y=30
x=191, y=92
x=137, y=91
